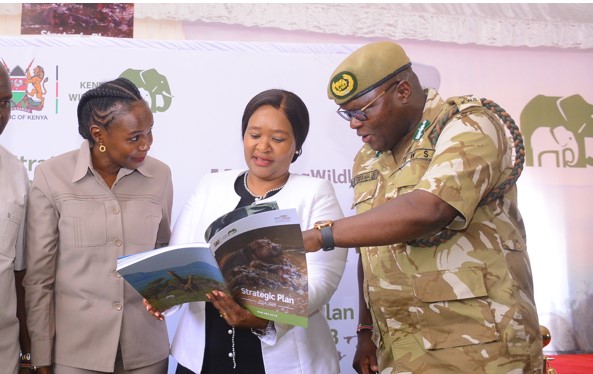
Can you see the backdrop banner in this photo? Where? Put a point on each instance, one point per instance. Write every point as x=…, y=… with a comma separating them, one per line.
x=198, y=90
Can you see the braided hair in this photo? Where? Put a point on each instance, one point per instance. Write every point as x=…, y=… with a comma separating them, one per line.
x=98, y=106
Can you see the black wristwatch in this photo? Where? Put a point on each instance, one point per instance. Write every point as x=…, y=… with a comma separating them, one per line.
x=327, y=237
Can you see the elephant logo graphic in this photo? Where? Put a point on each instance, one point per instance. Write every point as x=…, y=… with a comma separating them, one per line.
x=28, y=87
x=153, y=85
x=555, y=131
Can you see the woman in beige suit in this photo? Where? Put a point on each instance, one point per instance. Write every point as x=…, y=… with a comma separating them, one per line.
x=88, y=207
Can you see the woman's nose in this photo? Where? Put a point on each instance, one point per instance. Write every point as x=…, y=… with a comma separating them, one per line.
x=144, y=146
x=263, y=145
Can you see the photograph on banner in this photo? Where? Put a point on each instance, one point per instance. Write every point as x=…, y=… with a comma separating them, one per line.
x=99, y=19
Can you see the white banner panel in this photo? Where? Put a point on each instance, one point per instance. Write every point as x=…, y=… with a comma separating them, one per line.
x=197, y=131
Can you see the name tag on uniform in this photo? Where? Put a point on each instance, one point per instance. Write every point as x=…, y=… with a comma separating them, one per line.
x=364, y=177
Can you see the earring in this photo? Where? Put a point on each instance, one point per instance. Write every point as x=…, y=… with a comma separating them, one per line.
x=102, y=148
x=299, y=152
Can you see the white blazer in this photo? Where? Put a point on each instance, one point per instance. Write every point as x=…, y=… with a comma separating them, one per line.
x=293, y=349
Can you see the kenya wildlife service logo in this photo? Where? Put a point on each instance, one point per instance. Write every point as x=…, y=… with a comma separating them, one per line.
x=153, y=85
x=28, y=87
x=556, y=131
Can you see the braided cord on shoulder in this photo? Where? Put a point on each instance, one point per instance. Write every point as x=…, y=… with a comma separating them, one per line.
x=497, y=192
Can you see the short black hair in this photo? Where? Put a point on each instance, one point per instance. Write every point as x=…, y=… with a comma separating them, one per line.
x=96, y=106
x=288, y=103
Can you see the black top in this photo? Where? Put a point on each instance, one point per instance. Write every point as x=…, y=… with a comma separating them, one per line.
x=248, y=353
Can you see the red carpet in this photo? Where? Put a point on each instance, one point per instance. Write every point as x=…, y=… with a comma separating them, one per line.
x=572, y=363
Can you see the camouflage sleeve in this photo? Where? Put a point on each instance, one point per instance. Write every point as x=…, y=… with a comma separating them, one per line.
x=471, y=154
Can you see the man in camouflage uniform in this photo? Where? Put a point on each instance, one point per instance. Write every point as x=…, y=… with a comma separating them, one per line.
x=430, y=305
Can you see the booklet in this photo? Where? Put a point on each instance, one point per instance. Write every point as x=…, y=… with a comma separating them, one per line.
x=255, y=254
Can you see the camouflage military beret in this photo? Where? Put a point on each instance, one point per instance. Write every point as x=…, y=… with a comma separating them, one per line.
x=365, y=69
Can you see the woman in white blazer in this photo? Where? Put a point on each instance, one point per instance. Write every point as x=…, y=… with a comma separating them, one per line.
x=275, y=124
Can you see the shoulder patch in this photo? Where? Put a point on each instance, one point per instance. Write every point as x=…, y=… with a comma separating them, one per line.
x=364, y=177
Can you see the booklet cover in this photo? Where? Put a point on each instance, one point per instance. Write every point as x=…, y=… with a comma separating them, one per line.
x=258, y=259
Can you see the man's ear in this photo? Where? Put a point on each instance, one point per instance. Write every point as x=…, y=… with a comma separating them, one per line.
x=403, y=91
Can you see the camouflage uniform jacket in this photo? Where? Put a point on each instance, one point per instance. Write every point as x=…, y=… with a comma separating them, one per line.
x=465, y=305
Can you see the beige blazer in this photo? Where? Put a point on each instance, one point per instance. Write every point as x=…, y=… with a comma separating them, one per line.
x=78, y=308
x=14, y=186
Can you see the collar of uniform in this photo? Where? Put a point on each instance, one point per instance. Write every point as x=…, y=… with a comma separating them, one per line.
x=381, y=160
x=84, y=165
x=432, y=108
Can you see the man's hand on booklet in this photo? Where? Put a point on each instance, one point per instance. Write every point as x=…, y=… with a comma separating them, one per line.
x=233, y=313
x=155, y=313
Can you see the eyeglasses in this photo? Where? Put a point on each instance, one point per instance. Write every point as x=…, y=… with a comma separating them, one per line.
x=359, y=114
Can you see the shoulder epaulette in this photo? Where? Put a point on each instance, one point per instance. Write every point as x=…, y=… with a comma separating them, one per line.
x=464, y=102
